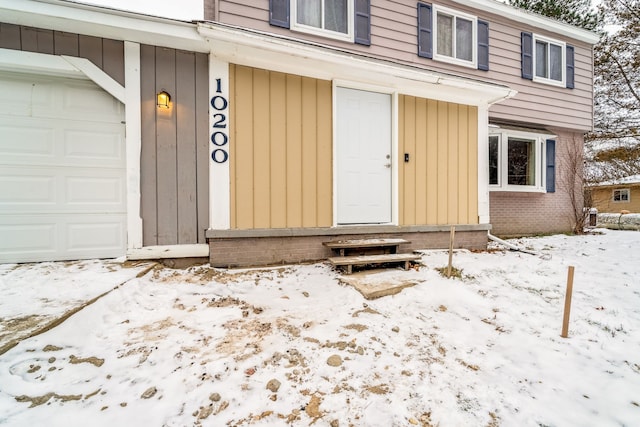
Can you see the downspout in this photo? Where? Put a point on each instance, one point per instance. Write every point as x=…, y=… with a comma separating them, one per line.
x=515, y=248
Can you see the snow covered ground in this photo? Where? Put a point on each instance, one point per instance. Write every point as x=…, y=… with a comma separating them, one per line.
x=295, y=346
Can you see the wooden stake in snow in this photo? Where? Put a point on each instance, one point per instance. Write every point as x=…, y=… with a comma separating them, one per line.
x=567, y=303
x=453, y=232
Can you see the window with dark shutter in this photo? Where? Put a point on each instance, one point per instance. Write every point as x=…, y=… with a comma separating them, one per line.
x=570, y=68
x=279, y=13
x=483, y=45
x=425, y=30
x=527, y=55
x=362, y=23
x=551, y=166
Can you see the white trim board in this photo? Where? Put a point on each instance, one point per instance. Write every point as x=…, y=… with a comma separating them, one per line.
x=255, y=49
x=169, y=251
x=102, y=22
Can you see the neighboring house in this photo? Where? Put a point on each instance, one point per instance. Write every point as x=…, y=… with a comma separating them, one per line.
x=271, y=127
x=616, y=196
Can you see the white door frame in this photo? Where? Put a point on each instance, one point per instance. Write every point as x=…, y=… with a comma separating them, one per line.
x=394, y=145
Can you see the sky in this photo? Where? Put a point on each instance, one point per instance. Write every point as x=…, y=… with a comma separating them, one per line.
x=295, y=345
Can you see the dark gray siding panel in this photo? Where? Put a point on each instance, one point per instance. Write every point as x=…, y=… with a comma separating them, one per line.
x=107, y=54
x=186, y=147
x=166, y=150
x=175, y=151
x=65, y=43
x=113, y=59
x=148, y=195
x=9, y=36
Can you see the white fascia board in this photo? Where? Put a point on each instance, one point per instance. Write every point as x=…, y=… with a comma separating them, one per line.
x=102, y=22
x=533, y=19
x=285, y=55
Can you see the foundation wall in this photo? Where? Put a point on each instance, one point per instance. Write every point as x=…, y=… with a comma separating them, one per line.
x=259, y=250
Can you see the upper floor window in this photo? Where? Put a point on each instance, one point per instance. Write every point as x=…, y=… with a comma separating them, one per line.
x=347, y=20
x=548, y=61
x=455, y=39
x=621, y=195
x=451, y=36
x=549, y=57
x=328, y=18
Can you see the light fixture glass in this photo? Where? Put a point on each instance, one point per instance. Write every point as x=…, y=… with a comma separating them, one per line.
x=163, y=99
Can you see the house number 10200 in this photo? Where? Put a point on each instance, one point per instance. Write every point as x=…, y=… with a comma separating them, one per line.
x=219, y=136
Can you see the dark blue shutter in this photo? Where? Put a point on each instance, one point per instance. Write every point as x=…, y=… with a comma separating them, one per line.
x=363, y=22
x=425, y=31
x=483, y=45
x=279, y=13
x=551, y=166
x=571, y=80
x=527, y=55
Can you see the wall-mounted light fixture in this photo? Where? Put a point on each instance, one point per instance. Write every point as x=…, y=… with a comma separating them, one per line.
x=163, y=99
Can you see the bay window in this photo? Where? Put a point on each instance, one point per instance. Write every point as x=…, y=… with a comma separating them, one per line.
x=518, y=161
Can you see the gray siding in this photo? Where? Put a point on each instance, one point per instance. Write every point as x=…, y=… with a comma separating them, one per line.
x=393, y=37
x=175, y=151
x=107, y=54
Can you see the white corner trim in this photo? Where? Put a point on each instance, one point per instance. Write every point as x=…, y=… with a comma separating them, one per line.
x=169, y=251
x=483, y=166
x=133, y=142
x=98, y=76
x=219, y=172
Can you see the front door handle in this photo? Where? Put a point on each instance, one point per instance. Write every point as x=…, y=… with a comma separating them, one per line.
x=388, y=165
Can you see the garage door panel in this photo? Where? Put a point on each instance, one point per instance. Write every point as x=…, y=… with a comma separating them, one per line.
x=62, y=170
x=61, y=142
x=59, y=190
x=25, y=138
x=97, y=236
x=20, y=188
x=20, y=236
x=106, y=192
x=106, y=147
x=15, y=94
x=31, y=238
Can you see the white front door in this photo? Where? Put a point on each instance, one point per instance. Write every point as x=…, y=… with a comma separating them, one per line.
x=363, y=151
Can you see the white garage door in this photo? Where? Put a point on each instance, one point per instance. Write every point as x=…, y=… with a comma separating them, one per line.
x=62, y=170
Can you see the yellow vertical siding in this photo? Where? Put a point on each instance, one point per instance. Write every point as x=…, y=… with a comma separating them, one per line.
x=281, y=169
x=439, y=184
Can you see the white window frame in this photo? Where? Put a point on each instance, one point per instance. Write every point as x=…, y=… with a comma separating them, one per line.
x=503, y=158
x=474, y=37
x=621, y=191
x=348, y=36
x=563, y=66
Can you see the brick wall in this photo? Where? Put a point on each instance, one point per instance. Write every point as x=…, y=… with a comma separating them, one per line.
x=256, y=251
x=519, y=213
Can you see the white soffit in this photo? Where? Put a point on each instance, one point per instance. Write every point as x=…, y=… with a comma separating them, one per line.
x=102, y=22
x=255, y=49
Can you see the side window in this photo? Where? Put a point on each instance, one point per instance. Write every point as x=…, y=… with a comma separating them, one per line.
x=621, y=195
x=521, y=161
x=348, y=20
x=548, y=61
x=451, y=36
